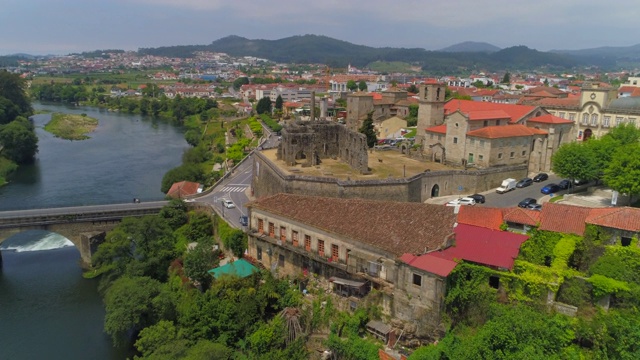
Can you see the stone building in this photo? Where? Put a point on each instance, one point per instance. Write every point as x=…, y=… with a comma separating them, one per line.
x=310, y=142
x=484, y=134
x=384, y=105
x=357, y=245
x=595, y=111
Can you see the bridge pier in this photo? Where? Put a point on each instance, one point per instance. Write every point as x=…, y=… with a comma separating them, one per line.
x=89, y=242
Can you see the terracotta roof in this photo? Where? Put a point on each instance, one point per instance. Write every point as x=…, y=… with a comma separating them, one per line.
x=183, y=188
x=625, y=218
x=484, y=246
x=550, y=119
x=563, y=218
x=627, y=89
x=440, y=129
x=394, y=227
x=516, y=112
x=522, y=216
x=486, y=217
x=547, y=89
x=428, y=263
x=568, y=102
x=488, y=115
x=505, y=131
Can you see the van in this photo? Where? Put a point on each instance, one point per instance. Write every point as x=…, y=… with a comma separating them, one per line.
x=506, y=186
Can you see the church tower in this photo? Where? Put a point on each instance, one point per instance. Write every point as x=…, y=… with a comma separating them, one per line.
x=431, y=107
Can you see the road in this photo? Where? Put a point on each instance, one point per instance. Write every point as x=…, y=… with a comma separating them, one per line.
x=513, y=197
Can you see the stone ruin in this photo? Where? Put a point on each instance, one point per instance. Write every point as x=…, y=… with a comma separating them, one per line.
x=307, y=143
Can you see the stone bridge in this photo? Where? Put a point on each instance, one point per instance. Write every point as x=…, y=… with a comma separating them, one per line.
x=85, y=226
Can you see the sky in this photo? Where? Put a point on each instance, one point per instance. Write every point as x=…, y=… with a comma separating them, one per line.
x=59, y=27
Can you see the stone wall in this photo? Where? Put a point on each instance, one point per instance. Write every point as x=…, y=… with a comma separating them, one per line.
x=310, y=142
x=269, y=180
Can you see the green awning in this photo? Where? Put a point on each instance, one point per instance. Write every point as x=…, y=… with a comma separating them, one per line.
x=240, y=268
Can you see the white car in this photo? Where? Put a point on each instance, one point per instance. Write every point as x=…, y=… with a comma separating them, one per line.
x=461, y=201
x=228, y=203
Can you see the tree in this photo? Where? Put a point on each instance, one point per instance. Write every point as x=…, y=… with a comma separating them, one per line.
x=237, y=243
x=575, y=161
x=368, y=131
x=362, y=85
x=351, y=85
x=153, y=337
x=12, y=88
x=185, y=172
x=279, y=103
x=174, y=214
x=19, y=141
x=198, y=261
x=237, y=83
x=506, y=79
x=623, y=172
x=129, y=306
x=413, y=89
x=264, y=106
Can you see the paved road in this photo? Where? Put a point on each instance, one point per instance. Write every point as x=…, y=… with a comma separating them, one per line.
x=513, y=197
x=88, y=209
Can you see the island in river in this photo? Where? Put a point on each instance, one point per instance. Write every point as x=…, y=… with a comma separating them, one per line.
x=71, y=126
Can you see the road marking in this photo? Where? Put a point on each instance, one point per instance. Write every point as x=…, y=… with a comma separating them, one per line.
x=234, y=189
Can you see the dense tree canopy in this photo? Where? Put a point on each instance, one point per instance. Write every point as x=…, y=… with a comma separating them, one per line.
x=264, y=106
x=19, y=141
x=368, y=130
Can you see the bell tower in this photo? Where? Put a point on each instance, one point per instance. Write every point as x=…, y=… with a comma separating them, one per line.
x=431, y=107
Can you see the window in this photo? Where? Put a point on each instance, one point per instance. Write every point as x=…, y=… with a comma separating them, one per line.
x=585, y=119
x=260, y=226
x=500, y=156
x=307, y=242
x=625, y=241
x=561, y=115
x=485, y=123
x=472, y=141
x=320, y=247
x=281, y=260
x=572, y=117
x=606, y=121
x=294, y=238
x=512, y=154
x=524, y=152
x=417, y=279
x=594, y=119
x=259, y=252
x=283, y=233
x=335, y=253
x=632, y=121
x=618, y=120
x=272, y=230
x=455, y=140
x=481, y=143
x=494, y=282
x=480, y=157
x=497, y=122
x=431, y=136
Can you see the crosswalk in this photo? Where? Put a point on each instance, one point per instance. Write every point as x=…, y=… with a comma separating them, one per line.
x=240, y=188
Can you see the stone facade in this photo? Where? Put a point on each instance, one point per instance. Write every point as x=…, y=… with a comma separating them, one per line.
x=310, y=142
x=268, y=180
x=431, y=99
x=294, y=249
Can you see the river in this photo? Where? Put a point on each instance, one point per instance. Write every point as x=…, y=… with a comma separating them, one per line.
x=47, y=310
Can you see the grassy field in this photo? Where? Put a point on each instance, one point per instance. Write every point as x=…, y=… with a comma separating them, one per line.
x=71, y=127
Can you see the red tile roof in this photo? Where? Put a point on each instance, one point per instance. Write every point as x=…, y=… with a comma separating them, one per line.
x=522, y=216
x=483, y=246
x=625, y=218
x=428, y=263
x=440, y=129
x=183, y=188
x=505, y=131
x=394, y=227
x=486, y=217
x=550, y=119
x=563, y=218
x=488, y=115
x=516, y=112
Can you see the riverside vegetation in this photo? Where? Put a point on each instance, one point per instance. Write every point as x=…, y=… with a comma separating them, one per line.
x=71, y=126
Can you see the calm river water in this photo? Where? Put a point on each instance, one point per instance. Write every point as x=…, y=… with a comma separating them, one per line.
x=47, y=310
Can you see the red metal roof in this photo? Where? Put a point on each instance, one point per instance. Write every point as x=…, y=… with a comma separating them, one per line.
x=483, y=246
x=432, y=264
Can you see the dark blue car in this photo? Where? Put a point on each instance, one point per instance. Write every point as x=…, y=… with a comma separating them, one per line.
x=550, y=189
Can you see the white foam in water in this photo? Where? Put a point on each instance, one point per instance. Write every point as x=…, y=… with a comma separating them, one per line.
x=49, y=241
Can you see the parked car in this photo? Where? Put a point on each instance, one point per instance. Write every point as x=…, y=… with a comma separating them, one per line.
x=550, y=189
x=565, y=184
x=540, y=177
x=479, y=198
x=537, y=207
x=228, y=203
x=524, y=182
x=244, y=220
x=461, y=201
x=578, y=182
x=526, y=202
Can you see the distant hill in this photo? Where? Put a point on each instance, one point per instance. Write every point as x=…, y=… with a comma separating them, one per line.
x=338, y=53
x=471, y=46
x=610, y=53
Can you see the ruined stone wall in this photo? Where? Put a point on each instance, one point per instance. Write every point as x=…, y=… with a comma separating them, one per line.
x=310, y=142
x=270, y=180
